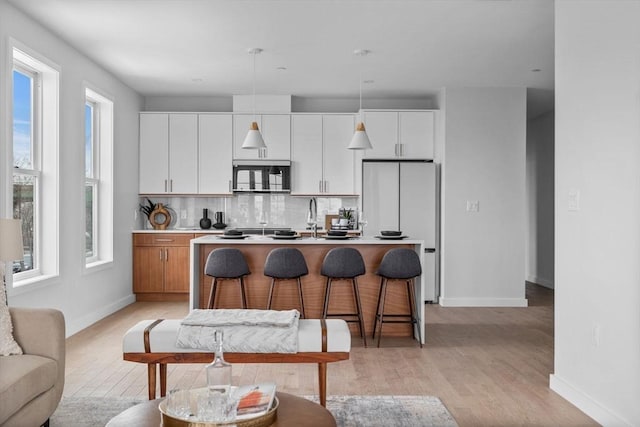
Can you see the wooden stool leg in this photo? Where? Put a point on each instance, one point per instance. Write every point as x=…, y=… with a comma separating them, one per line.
x=327, y=296
x=151, y=380
x=163, y=379
x=212, y=295
x=322, y=383
x=375, y=319
x=384, y=296
x=273, y=280
x=414, y=311
x=356, y=292
x=301, y=299
x=243, y=295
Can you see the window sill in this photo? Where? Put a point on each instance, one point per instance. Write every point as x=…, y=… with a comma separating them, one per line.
x=96, y=266
x=32, y=283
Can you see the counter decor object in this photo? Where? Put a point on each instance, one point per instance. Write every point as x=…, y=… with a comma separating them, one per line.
x=205, y=222
x=160, y=218
x=219, y=224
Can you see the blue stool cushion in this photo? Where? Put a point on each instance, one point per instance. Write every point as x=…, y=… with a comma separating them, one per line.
x=343, y=263
x=226, y=263
x=400, y=263
x=285, y=263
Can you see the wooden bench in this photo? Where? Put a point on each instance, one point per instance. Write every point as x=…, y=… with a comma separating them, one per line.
x=153, y=342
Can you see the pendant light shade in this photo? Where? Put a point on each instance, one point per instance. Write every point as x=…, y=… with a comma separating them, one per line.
x=254, y=139
x=360, y=139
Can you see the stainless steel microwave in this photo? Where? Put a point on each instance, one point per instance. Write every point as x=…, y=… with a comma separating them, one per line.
x=261, y=176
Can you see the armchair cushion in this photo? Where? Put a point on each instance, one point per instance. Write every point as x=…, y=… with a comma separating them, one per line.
x=31, y=384
x=25, y=377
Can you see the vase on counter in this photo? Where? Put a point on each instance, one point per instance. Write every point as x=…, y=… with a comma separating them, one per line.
x=205, y=222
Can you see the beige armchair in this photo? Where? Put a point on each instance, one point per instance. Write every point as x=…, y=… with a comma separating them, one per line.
x=31, y=384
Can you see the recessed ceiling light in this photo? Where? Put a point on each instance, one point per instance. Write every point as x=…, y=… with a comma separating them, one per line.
x=281, y=68
x=536, y=70
x=197, y=80
x=368, y=82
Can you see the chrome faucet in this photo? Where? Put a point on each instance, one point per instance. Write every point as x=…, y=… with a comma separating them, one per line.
x=312, y=216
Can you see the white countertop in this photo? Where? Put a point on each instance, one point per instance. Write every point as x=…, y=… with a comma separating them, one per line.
x=267, y=240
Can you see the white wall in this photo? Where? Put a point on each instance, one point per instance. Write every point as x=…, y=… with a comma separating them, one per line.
x=84, y=297
x=540, y=197
x=597, y=277
x=484, y=156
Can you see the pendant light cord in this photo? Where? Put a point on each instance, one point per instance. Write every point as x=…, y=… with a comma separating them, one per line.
x=254, y=86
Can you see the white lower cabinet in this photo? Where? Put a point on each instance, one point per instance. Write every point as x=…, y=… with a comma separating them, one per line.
x=321, y=162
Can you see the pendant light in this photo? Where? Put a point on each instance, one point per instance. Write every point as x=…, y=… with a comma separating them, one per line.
x=360, y=140
x=254, y=137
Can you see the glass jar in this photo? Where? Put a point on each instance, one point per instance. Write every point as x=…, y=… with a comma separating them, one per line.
x=219, y=371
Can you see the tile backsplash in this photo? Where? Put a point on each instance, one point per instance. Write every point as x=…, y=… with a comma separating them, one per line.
x=245, y=210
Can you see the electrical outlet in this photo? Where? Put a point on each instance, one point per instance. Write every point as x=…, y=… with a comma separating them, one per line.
x=183, y=214
x=473, y=206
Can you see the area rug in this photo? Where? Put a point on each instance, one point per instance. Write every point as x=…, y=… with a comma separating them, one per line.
x=349, y=411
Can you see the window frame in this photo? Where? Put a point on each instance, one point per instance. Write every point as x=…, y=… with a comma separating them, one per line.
x=102, y=156
x=46, y=155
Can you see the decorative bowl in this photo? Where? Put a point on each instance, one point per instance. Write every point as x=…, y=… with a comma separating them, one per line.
x=233, y=232
x=391, y=233
x=337, y=232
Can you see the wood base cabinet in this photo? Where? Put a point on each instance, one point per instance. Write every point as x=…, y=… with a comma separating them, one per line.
x=161, y=266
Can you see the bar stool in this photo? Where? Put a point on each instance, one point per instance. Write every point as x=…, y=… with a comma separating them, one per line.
x=286, y=264
x=344, y=264
x=398, y=264
x=224, y=264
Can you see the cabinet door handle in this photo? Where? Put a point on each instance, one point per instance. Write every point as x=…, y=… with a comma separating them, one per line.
x=170, y=186
x=163, y=240
x=230, y=189
x=326, y=186
x=395, y=149
x=320, y=186
x=166, y=254
x=165, y=185
x=161, y=254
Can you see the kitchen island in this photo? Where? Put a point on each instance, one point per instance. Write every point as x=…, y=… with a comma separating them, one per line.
x=256, y=249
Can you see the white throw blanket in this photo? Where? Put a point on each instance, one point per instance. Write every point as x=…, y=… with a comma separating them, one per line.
x=245, y=331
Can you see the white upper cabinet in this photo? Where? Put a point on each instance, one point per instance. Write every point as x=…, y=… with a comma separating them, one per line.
x=338, y=160
x=276, y=132
x=183, y=153
x=400, y=134
x=168, y=153
x=306, y=153
x=215, y=146
x=321, y=162
x=154, y=153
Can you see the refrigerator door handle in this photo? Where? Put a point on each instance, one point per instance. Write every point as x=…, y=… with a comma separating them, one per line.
x=430, y=250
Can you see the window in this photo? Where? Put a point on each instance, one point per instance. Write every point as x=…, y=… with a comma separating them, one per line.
x=26, y=166
x=35, y=164
x=98, y=178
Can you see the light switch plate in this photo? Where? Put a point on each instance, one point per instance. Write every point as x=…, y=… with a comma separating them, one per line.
x=573, y=200
x=473, y=206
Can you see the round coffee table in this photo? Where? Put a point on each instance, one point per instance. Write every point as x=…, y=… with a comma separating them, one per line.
x=292, y=411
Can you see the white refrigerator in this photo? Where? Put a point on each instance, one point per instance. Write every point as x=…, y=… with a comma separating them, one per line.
x=404, y=195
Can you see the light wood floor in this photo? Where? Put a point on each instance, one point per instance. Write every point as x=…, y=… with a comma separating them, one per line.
x=489, y=366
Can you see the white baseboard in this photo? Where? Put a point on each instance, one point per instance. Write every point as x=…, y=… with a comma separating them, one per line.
x=541, y=281
x=76, y=325
x=585, y=403
x=483, y=302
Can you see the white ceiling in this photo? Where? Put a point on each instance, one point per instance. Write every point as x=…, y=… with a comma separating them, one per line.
x=199, y=47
